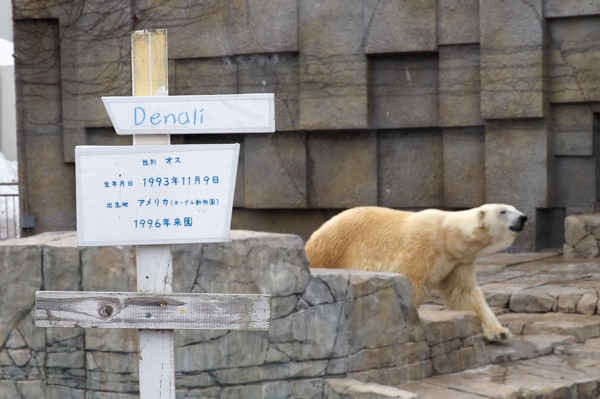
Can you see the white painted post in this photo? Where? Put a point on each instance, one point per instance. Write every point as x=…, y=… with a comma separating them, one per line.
x=149, y=66
x=157, y=365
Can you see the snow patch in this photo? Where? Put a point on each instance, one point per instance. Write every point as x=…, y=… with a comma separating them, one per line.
x=9, y=199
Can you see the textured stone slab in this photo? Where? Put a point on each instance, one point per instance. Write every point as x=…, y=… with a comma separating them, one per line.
x=549, y=376
x=464, y=167
x=91, y=68
x=580, y=327
x=411, y=168
x=573, y=55
x=51, y=195
x=254, y=263
x=559, y=8
x=458, y=22
x=397, y=27
x=403, y=91
x=206, y=76
x=223, y=28
x=516, y=154
x=516, y=162
x=350, y=389
x=582, y=233
x=447, y=325
x=506, y=258
x=333, y=67
x=575, y=181
x=512, y=43
x=590, y=349
x=572, y=129
x=525, y=347
x=459, y=86
x=275, y=171
x=273, y=73
x=342, y=170
x=535, y=300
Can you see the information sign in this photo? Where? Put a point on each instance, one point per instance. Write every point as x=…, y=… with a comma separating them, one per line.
x=227, y=113
x=138, y=195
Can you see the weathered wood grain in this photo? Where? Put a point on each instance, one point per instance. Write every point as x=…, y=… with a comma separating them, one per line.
x=151, y=311
x=149, y=77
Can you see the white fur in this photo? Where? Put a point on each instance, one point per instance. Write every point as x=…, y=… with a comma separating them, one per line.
x=434, y=249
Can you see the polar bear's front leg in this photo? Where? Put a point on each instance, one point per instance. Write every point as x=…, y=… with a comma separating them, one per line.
x=459, y=291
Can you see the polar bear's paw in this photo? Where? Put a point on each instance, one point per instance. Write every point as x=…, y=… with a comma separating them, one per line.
x=497, y=334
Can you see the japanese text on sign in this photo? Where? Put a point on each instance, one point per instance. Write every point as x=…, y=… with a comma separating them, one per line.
x=155, y=194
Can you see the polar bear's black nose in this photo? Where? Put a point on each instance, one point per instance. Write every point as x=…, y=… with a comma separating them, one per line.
x=519, y=225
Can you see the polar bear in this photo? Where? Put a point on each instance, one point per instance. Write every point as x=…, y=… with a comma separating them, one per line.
x=434, y=249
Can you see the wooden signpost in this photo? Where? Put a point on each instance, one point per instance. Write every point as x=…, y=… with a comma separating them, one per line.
x=153, y=195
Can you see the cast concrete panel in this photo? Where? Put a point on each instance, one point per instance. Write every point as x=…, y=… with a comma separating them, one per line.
x=517, y=161
x=459, y=87
x=561, y=8
x=517, y=168
x=342, y=169
x=458, y=21
x=572, y=129
x=271, y=73
x=512, y=59
x=220, y=28
x=464, y=167
x=399, y=26
x=403, y=91
x=277, y=73
x=411, y=168
x=92, y=66
x=407, y=70
x=573, y=56
x=575, y=184
x=45, y=182
x=275, y=171
x=203, y=76
x=333, y=68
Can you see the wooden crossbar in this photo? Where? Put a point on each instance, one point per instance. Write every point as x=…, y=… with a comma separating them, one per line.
x=152, y=311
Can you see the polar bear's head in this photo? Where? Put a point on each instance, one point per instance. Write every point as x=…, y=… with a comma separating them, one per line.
x=502, y=223
x=502, y=218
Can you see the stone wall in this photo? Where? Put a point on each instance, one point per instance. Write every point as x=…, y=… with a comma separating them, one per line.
x=425, y=103
x=331, y=331
x=582, y=236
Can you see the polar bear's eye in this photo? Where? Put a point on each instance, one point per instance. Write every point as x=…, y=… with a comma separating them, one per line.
x=503, y=212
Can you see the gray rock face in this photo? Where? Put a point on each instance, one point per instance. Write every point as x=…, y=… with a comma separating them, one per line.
x=333, y=334
x=582, y=236
x=325, y=324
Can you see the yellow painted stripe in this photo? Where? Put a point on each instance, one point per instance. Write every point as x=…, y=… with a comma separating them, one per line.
x=149, y=68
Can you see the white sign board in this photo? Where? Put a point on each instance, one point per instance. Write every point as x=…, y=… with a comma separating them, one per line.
x=139, y=195
x=231, y=113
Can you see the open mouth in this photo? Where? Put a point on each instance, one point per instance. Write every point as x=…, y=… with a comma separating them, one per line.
x=518, y=228
x=519, y=225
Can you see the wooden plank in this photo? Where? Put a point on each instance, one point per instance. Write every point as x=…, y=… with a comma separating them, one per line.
x=151, y=310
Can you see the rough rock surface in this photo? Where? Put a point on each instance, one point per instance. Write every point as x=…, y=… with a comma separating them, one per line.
x=582, y=236
x=334, y=334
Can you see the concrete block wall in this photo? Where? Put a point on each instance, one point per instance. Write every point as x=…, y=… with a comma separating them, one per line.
x=427, y=103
